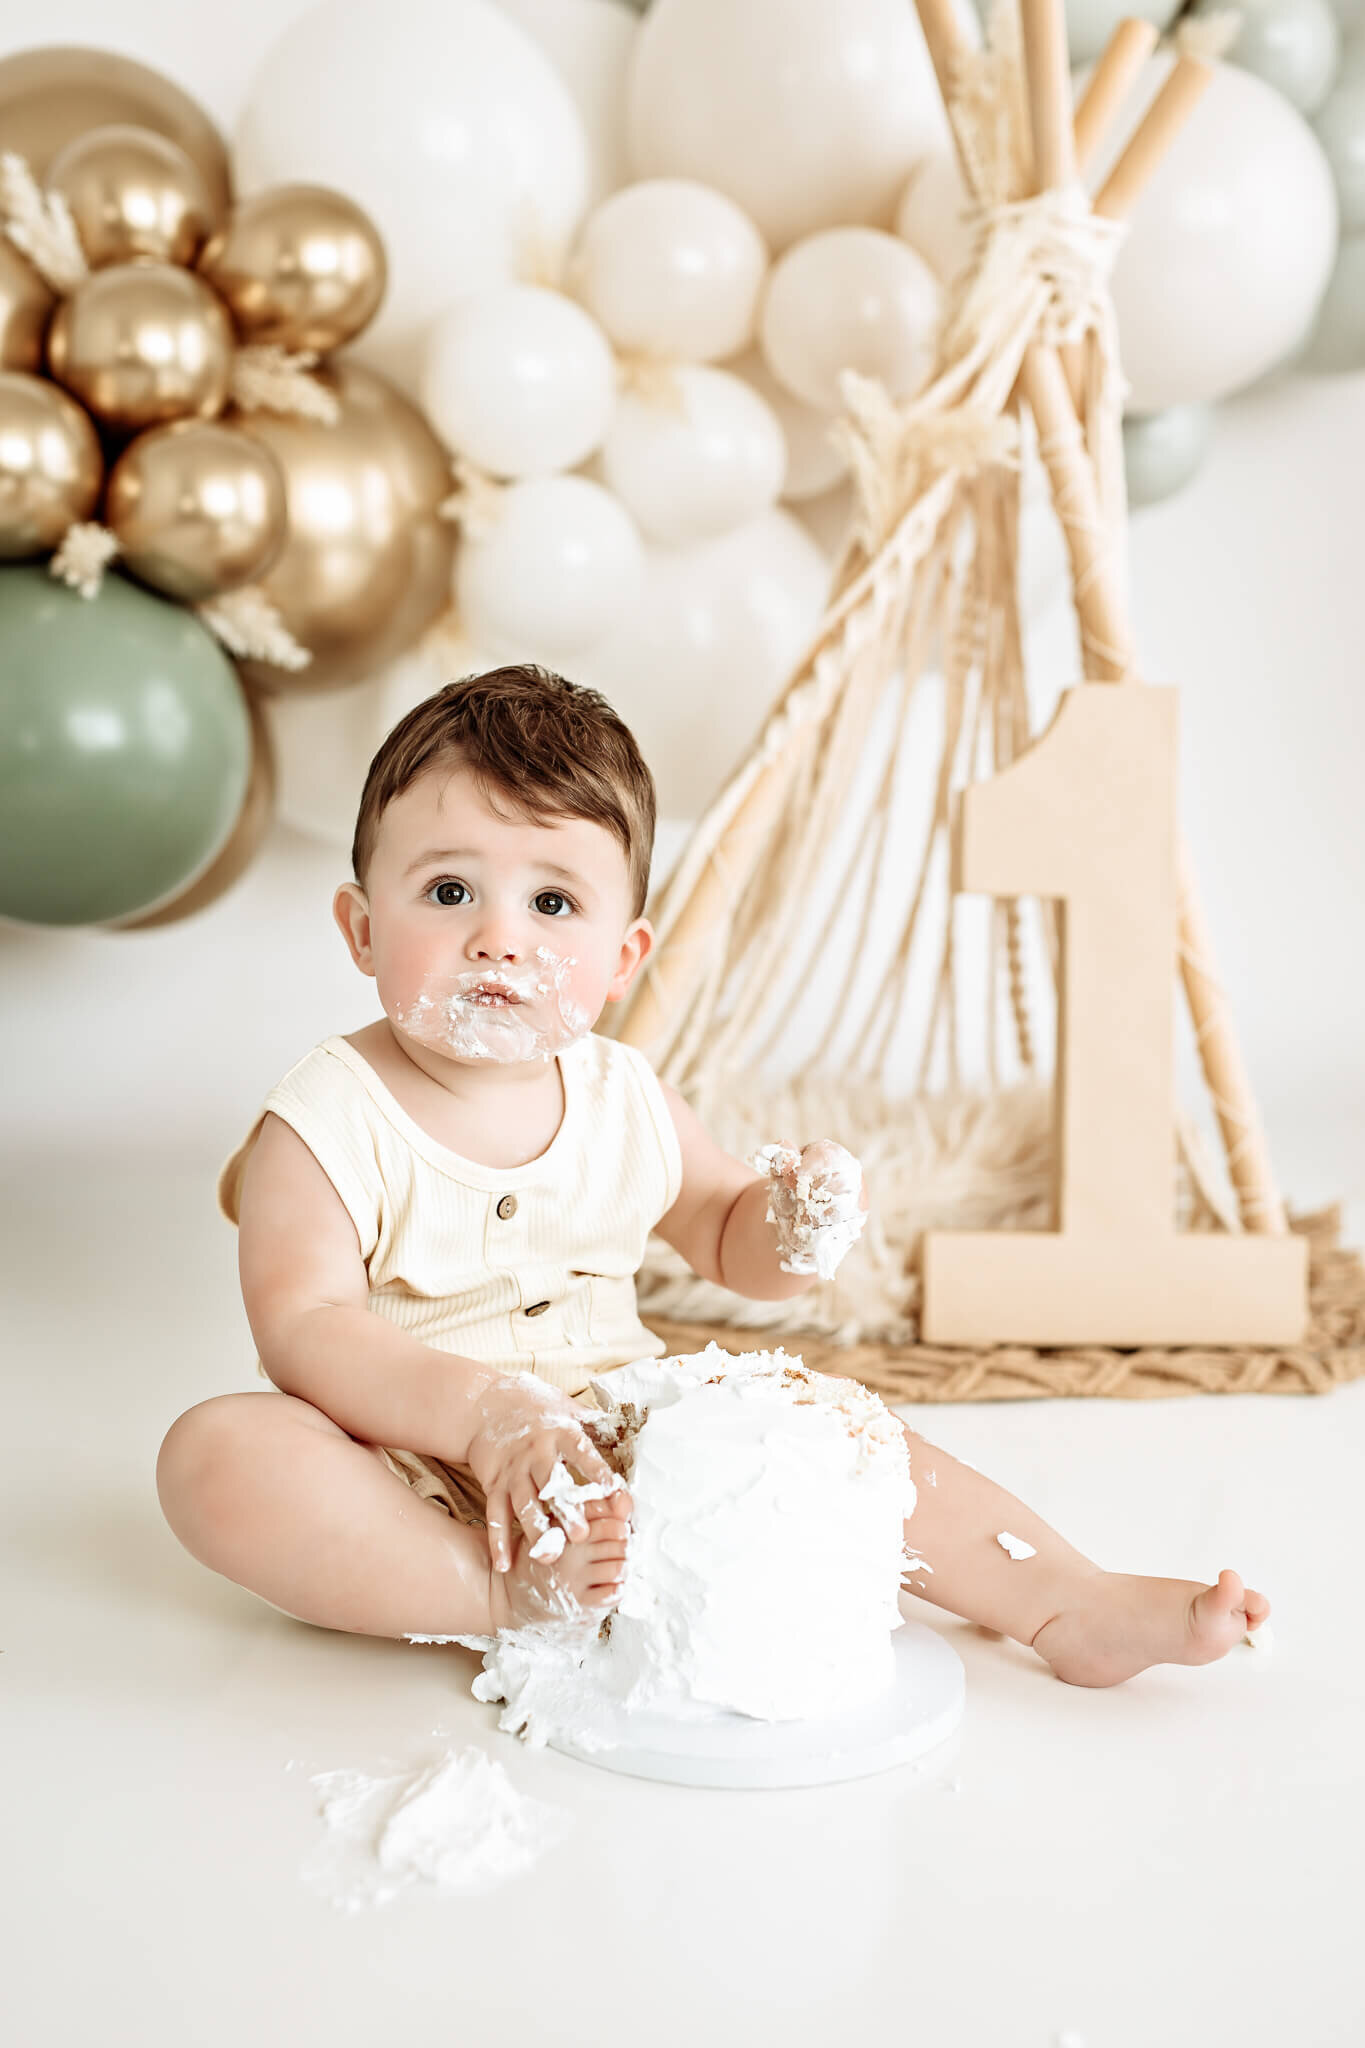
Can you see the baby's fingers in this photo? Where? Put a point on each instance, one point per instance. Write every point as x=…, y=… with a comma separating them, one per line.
x=532, y=1517
x=590, y=1461
x=498, y=1517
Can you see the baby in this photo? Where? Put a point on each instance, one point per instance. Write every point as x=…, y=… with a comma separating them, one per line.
x=441, y=1216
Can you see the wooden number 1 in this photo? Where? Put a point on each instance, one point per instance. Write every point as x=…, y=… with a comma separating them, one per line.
x=1088, y=815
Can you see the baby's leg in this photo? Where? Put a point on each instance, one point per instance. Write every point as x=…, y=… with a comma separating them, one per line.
x=1094, y=1627
x=272, y=1493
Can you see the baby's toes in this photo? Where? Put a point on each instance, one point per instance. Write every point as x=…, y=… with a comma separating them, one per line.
x=1215, y=1617
x=1256, y=1607
x=617, y=1506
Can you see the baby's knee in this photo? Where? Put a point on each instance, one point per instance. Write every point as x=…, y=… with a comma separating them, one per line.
x=198, y=1450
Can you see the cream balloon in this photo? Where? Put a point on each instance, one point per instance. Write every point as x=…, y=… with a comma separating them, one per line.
x=519, y=379
x=1230, y=246
x=686, y=470
x=698, y=659
x=806, y=113
x=671, y=268
x=828, y=519
x=814, y=463
x=444, y=121
x=934, y=217
x=850, y=298
x=590, y=43
x=324, y=743
x=556, y=567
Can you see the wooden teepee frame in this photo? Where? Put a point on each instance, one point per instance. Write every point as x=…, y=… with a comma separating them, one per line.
x=929, y=581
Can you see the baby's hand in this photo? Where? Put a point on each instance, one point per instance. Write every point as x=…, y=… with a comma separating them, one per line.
x=529, y=1435
x=818, y=1201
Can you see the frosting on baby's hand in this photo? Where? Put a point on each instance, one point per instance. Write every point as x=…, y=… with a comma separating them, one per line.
x=815, y=1199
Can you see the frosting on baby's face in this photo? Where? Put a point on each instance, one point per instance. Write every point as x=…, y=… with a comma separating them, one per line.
x=492, y=939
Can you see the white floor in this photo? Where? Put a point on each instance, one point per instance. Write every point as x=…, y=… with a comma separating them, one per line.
x=1174, y=1861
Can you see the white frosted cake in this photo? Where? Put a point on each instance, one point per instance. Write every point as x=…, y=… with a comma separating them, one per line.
x=764, y=1562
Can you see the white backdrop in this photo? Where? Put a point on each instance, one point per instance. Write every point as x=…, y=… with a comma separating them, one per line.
x=1249, y=591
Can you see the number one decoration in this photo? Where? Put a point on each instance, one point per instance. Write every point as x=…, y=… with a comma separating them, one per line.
x=1087, y=815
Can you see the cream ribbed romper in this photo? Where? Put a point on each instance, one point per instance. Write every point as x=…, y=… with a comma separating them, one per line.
x=529, y=1268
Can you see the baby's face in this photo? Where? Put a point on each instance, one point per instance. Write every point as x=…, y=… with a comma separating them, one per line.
x=461, y=903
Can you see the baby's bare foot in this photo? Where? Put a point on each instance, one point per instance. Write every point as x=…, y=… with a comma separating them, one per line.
x=581, y=1584
x=1119, y=1624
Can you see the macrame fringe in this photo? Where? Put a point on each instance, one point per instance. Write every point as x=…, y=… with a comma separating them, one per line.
x=250, y=627
x=85, y=553
x=269, y=378
x=40, y=226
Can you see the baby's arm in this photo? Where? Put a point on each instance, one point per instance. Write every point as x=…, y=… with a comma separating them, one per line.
x=723, y=1219
x=306, y=1294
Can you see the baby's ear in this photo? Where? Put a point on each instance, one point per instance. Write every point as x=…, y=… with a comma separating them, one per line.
x=351, y=909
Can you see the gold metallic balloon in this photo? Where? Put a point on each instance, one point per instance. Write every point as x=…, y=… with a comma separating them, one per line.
x=253, y=822
x=366, y=566
x=142, y=343
x=50, y=95
x=50, y=465
x=299, y=265
x=197, y=508
x=25, y=309
x=133, y=193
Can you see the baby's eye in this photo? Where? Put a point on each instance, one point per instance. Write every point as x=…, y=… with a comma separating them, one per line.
x=555, y=897
x=436, y=887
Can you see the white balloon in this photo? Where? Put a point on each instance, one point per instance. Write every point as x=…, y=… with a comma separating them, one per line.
x=688, y=473
x=519, y=379
x=712, y=636
x=1230, y=246
x=444, y=120
x=590, y=43
x=806, y=112
x=934, y=216
x=849, y=298
x=671, y=268
x=814, y=463
x=828, y=519
x=324, y=741
x=557, y=567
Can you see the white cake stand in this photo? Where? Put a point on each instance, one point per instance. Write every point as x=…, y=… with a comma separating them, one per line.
x=921, y=1709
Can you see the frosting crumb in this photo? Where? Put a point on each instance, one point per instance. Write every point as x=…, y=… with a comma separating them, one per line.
x=1015, y=1545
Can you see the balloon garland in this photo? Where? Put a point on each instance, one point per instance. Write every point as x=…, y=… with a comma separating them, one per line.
x=168, y=408
x=627, y=262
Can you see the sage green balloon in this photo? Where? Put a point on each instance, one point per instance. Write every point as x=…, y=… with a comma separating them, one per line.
x=125, y=745
x=1339, y=125
x=1294, y=45
x=1162, y=450
x=1338, y=340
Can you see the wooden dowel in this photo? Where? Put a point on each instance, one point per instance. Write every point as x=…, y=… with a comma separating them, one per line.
x=1170, y=110
x=1048, y=80
x=1128, y=49
x=1118, y=195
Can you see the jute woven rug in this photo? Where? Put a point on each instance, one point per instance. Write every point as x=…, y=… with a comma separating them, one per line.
x=1332, y=1353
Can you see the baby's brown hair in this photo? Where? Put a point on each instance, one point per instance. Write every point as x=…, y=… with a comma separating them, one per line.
x=549, y=746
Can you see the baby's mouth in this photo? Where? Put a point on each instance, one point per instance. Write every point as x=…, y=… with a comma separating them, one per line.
x=491, y=995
